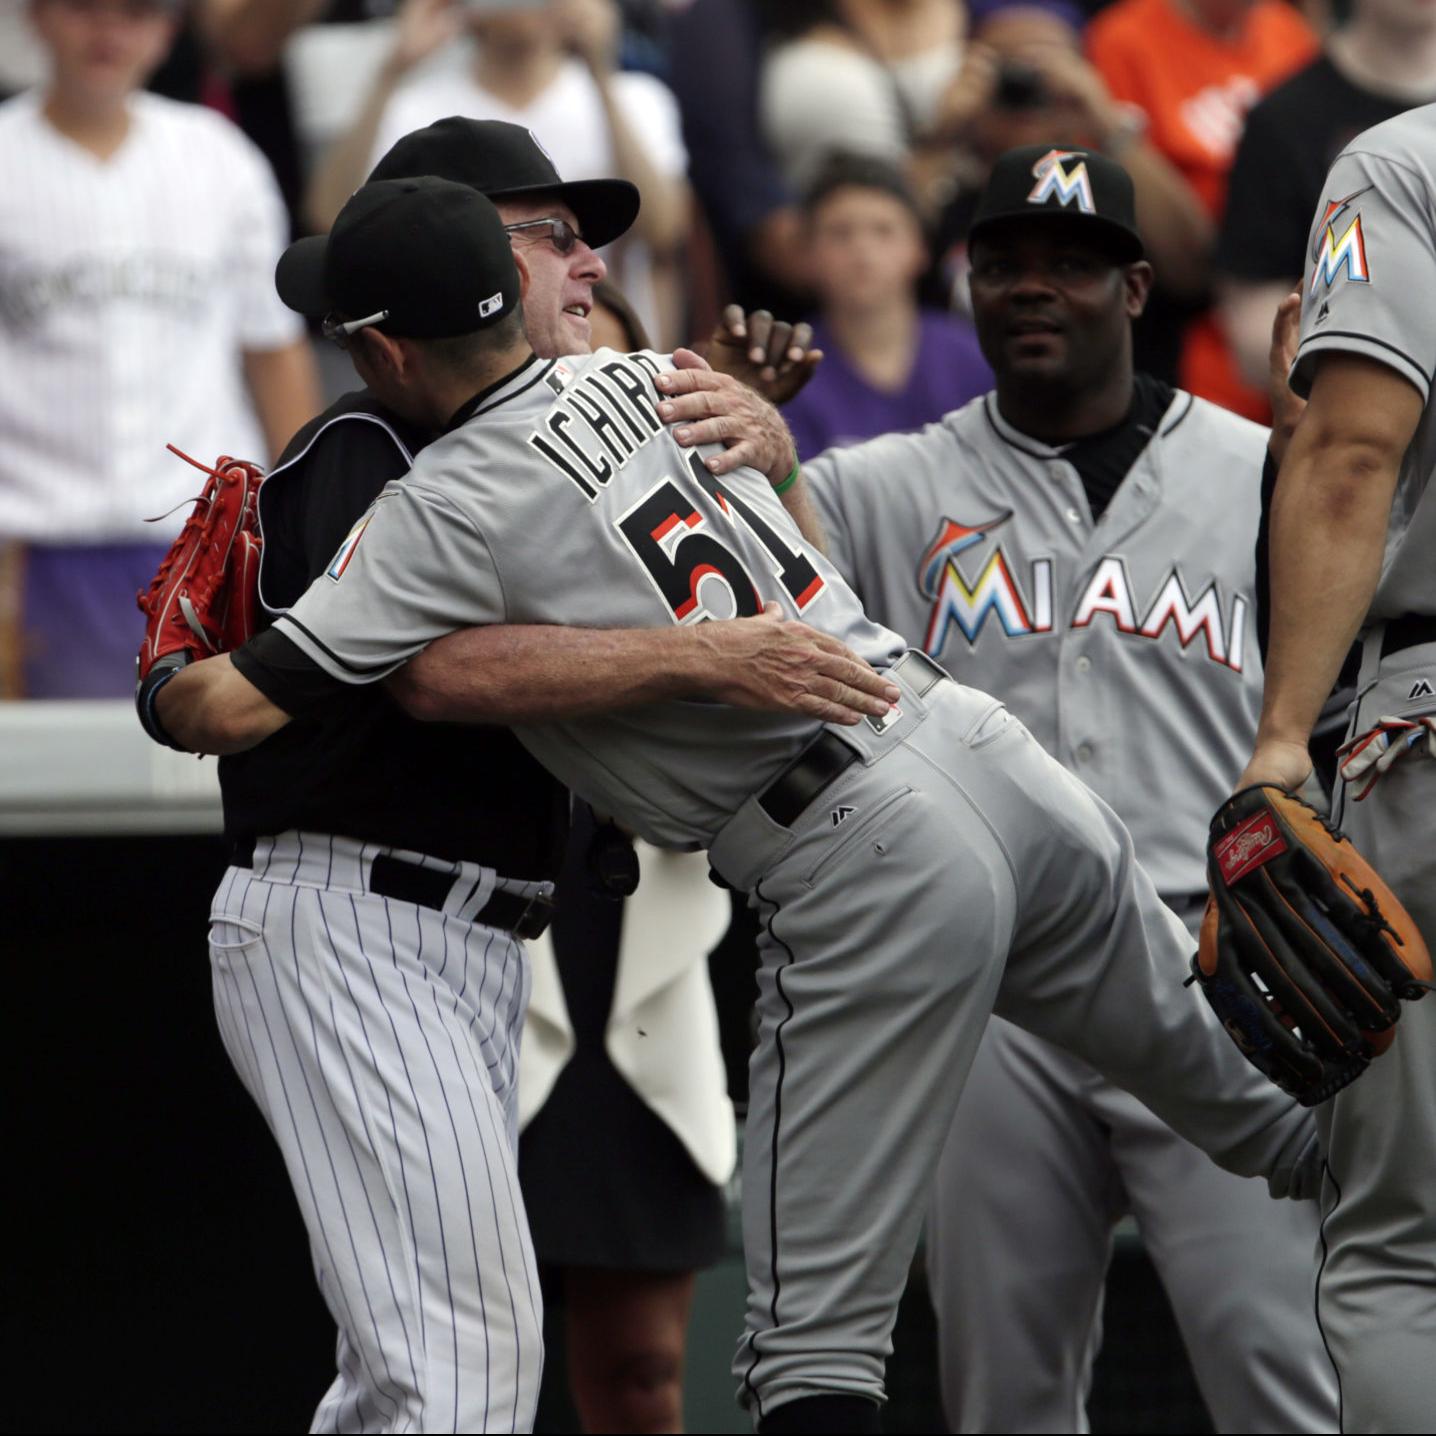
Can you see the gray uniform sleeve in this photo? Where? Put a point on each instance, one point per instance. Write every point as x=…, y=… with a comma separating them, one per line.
x=1371, y=272
x=413, y=569
x=825, y=480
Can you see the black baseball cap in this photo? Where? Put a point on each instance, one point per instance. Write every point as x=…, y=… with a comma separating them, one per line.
x=1081, y=187
x=505, y=161
x=429, y=253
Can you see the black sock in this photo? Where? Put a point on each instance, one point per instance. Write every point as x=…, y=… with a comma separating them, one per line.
x=823, y=1413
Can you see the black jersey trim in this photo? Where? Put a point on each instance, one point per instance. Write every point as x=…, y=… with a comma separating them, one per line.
x=472, y=406
x=290, y=463
x=1180, y=419
x=362, y=675
x=1321, y=339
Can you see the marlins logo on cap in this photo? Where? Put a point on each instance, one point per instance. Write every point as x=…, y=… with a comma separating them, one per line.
x=1055, y=180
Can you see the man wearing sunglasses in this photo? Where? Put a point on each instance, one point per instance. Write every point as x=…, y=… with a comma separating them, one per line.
x=399, y=1144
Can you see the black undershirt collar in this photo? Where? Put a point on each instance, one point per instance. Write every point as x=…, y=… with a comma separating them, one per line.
x=1104, y=459
x=470, y=407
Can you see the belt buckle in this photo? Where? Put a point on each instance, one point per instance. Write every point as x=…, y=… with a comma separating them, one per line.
x=534, y=919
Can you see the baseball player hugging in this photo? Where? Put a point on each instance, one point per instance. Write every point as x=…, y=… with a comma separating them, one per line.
x=1080, y=544
x=911, y=871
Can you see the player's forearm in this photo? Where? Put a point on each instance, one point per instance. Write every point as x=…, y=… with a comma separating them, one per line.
x=346, y=161
x=531, y=673
x=663, y=219
x=284, y=384
x=210, y=707
x=1179, y=234
x=1328, y=534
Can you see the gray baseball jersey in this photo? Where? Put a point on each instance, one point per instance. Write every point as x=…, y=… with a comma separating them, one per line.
x=1127, y=647
x=1371, y=290
x=951, y=865
x=572, y=452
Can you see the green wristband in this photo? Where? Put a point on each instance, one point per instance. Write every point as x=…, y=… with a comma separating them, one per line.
x=788, y=483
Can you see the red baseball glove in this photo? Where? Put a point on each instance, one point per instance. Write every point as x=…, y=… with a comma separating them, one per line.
x=205, y=597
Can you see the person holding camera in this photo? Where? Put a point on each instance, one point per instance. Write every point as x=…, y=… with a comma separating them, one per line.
x=552, y=67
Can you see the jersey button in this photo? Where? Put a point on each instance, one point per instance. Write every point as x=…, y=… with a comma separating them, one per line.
x=1084, y=664
x=1073, y=516
x=1084, y=752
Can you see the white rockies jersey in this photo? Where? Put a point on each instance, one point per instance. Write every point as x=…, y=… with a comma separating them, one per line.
x=564, y=500
x=1128, y=647
x=1371, y=290
x=128, y=289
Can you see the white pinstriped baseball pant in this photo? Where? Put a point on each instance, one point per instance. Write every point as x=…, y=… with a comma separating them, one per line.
x=380, y=1041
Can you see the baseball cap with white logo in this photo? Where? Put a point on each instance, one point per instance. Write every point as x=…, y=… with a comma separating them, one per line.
x=431, y=256
x=1049, y=182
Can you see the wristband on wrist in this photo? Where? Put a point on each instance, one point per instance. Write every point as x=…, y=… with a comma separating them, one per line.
x=781, y=489
x=145, y=695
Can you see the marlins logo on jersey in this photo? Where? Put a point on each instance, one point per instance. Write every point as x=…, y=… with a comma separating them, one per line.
x=998, y=593
x=340, y=561
x=1336, y=254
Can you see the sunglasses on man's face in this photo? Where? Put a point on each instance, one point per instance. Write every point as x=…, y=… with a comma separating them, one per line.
x=562, y=235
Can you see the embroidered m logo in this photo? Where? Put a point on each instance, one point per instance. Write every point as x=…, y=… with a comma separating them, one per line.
x=1068, y=185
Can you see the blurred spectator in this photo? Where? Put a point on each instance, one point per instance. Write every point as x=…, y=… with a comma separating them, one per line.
x=1042, y=91
x=888, y=366
x=551, y=68
x=889, y=78
x=1196, y=67
x=714, y=62
x=1381, y=62
x=138, y=238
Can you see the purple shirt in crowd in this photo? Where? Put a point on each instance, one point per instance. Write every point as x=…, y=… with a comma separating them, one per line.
x=840, y=407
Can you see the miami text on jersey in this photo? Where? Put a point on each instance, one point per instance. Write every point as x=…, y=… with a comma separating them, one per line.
x=996, y=593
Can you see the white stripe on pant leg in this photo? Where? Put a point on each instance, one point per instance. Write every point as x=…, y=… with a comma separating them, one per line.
x=347, y=1304
x=507, y=1164
x=448, y=1118
x=315, y=1209
x=452, y=1034
x=341, y=1081
x=433, y=1185
x=368, y=1134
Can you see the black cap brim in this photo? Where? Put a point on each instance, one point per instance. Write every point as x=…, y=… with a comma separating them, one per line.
x=299, y=276
x=1114, y=238
x=604, y=208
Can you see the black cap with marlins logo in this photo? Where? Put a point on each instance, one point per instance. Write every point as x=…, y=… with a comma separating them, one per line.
x=1081, y=188
x=416, y=258
x=505, y=161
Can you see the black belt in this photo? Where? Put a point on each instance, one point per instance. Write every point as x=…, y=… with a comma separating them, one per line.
x=397, y=878
x=1407, y=631
x=827, y=755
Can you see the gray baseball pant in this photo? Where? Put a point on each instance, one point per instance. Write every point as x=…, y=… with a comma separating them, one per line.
x=1043, y=1158
x=1377, y=1279
x=972, y=872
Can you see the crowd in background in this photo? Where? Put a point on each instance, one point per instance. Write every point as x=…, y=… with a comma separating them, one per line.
x=820, y=158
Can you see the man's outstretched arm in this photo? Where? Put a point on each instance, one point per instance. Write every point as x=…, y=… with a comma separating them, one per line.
x=537, y=673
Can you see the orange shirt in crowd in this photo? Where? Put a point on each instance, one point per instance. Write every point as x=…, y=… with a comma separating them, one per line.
x=1196, y=90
